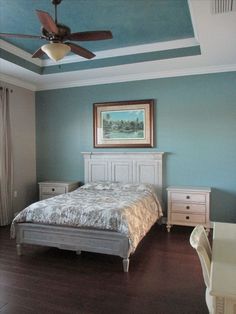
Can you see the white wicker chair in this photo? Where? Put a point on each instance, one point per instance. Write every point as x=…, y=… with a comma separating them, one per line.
x=199, y=241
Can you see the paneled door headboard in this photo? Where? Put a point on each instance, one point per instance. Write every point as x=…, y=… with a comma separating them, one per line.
x=126, y=167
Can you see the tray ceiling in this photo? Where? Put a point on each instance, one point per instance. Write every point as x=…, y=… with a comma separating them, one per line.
x=145, y=32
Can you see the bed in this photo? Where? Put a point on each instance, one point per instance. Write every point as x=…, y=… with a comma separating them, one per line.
x=135, y=179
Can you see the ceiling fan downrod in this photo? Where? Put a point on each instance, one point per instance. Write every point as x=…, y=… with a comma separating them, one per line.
x=55, y=3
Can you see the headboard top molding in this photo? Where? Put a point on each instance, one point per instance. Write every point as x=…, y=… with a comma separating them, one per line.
x=126, y=167
x=152, y=155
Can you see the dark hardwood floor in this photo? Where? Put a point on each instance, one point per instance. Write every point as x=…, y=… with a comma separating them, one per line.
x=164, y=278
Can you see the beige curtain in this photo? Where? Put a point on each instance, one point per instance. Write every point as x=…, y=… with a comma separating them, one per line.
x=6, y=160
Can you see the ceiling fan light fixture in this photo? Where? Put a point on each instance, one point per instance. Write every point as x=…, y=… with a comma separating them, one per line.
x=56, y=51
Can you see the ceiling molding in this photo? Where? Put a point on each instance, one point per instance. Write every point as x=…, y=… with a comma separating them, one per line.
x=106, y=75
x=113, y=78
x=118, y=52
x=132, y=50
x=19, y=52
x=15, y=81
x=193, y=19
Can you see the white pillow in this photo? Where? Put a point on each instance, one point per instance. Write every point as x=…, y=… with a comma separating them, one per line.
x=100, y=185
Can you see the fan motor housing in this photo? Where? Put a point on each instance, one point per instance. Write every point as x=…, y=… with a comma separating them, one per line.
x=63, y=31
x=56, y=2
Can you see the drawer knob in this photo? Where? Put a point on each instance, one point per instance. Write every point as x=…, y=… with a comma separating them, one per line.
x=187, y=217
x=188, y=197
x=187, y=207
x=53, y=189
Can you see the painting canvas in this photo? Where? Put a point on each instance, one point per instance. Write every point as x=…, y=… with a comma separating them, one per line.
x=123, y=124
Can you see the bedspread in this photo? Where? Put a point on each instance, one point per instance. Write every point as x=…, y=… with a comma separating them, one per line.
x=129, y=209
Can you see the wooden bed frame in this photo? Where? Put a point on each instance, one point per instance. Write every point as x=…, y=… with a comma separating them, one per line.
x=125, y=167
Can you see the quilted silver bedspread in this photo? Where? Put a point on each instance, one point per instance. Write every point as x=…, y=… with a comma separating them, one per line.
x=127, y=208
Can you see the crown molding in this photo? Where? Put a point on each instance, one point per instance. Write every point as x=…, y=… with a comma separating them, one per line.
x=109, y=77
x=15, y=81
x=113, y=78
x=19, y=52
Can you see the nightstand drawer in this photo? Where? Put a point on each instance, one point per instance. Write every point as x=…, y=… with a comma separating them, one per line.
x=188, y=197
x=189, y=218
x=49, y=189
x=188, y=208
x=54, y=190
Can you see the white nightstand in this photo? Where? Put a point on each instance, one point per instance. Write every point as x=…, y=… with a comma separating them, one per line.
x=49, y=189
x=188, y=206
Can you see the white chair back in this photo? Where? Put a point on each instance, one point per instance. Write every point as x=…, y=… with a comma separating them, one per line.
x=199, y=241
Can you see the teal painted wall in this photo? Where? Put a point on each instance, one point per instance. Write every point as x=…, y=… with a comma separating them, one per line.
x=195, y=124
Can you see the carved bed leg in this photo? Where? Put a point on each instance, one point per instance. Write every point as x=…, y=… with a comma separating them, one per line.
x=126, y=264
x=168, y=226
x=78, y=252
x=18, y=249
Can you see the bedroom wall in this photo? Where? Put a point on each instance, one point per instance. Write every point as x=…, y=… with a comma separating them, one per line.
x=22, y=114
x=195, y=125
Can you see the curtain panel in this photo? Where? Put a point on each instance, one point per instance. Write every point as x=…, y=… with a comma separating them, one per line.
x=6, y=160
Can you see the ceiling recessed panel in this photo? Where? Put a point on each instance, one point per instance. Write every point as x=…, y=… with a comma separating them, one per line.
x=132, y=22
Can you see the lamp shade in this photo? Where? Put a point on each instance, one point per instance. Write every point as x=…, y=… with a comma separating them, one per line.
x=56, y=51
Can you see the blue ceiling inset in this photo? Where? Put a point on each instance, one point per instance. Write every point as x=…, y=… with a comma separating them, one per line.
x=132, y=22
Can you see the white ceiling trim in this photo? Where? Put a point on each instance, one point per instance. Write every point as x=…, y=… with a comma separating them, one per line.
x=132, y=50
x=108, y=75
x=19, y=52
x=17, y=82
x=147, y=48
x=193, y=19
x=114, y=78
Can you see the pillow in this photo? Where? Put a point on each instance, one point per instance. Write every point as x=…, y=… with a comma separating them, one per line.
x=138, y=187
x=100, y=185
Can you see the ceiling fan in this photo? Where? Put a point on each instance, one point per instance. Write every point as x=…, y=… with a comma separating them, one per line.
x=60, y=37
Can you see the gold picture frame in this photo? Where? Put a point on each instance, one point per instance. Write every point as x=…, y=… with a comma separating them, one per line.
x=123, y=123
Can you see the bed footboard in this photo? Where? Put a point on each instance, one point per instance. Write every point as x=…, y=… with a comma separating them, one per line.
x=75, y=239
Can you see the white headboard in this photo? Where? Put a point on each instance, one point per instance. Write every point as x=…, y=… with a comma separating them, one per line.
x=126, y=167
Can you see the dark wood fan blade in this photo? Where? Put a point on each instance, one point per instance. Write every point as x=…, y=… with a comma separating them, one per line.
x=80, y=51
x=93, y=35
x=38, y=53
x=47, y=21
x=19, y=35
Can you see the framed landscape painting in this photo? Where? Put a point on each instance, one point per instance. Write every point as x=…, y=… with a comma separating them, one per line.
x=123, y=124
